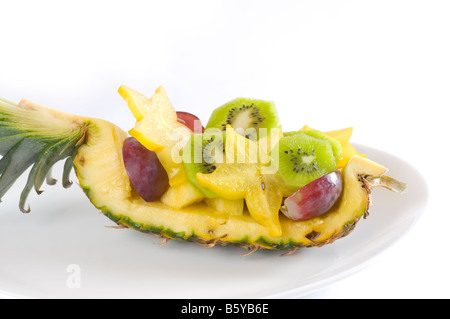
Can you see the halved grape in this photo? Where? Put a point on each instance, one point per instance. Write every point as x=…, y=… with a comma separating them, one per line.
x=144, y=169
x=315, y=198
x=191, y=121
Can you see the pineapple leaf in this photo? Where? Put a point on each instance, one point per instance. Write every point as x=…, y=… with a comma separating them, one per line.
x=66, y=172
x=33, y=135
x=16, y=161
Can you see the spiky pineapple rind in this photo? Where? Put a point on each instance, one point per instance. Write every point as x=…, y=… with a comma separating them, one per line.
x=191, y=231
x=261, y=242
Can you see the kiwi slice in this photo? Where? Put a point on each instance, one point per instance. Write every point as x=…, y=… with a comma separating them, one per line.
x=202, y=154
x=335, y=144
x=302, y=158
x=249, y=117
x=290, y=133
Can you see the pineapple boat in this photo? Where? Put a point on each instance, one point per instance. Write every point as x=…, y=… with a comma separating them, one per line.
x=240, y=180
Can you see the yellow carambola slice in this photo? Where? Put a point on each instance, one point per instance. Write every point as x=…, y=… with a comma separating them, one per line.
x=245, y=175
x=158, y=129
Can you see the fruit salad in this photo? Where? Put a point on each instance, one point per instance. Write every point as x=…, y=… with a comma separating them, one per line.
x=240, y=179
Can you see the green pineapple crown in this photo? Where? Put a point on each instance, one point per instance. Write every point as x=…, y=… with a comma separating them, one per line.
x=33, y=135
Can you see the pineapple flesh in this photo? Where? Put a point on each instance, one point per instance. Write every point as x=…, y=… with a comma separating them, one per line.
x=34, y=136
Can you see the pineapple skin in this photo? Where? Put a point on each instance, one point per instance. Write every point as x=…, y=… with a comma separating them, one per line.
x=94, y=147
x=100, y=170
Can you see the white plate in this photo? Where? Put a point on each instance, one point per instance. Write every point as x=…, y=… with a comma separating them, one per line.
x=62, y=250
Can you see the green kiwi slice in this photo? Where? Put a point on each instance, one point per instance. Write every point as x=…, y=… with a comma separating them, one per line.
x=302, y=158
x=249, y=117
x=291, y=133
x=202, y=154
x=335, y=144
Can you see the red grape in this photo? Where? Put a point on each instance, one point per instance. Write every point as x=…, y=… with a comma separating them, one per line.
x=144, y=169
x=191, y=121
x=315, y=198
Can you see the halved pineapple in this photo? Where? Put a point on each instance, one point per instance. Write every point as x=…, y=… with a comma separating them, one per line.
x=31, y=134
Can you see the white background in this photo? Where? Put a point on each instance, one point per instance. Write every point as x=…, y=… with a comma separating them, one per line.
x=382, y=67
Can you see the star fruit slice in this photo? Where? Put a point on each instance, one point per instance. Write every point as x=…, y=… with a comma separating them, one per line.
x=158, y=129
x=247, y=177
